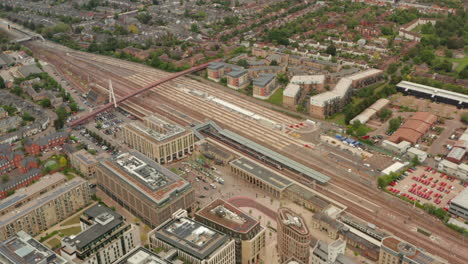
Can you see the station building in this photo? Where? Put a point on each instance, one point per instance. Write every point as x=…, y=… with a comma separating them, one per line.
x=43, y=204
x=245, y=230
x=159, y=139
x=260, y=176
x=145, y=188
x=105, y=237
x=395, y=250
x=193, y=242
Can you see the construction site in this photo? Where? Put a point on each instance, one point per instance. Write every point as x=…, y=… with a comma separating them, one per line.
x=251, y=129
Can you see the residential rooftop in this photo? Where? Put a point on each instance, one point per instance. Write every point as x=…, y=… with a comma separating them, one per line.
x=146, y=176
x=103, y=221
x=307, y=79
x=291, y=90
x=225, y=214
x=23, y=249
x=264, y=79
x=191, y=237
x=261, y=172
x=24, y=193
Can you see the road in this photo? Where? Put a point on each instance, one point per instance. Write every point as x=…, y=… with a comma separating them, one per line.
x=389, y=212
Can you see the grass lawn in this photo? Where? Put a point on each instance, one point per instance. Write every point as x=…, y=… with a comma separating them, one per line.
x=276, y=98
x=461, y=63
x=74, y=220
x=70, y=231
x=338, y=118
x=53, y=243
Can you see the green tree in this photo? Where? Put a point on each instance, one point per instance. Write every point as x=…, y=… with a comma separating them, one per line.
x=464, y=73
x=273, y=63
x=394, y=124
x=63, y=162
x=5, y=178
x=194, y=28
x=144, y=18
x=45, y=102
x=384, y=114
x=331, y=50
x=27, y=117
x=282, y=78
x=464, y=118
x=2, y=83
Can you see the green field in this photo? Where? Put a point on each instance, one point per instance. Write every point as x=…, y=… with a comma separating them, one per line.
x=74, y=220
x=53, y=243
x=462, y=63
x=70, y=231
x=276, y=98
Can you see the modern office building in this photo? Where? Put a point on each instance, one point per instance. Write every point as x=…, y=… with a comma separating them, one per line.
x=193, y=242
x=24, y=249
x=294, y=237
x=145, y=188
x=260, y=176
x=245, y=230
x=105, y=237
x=332, y=253
x=459, y=204
x=159, y=139
x=142, y=255
x=43, y=204
x=397, y=251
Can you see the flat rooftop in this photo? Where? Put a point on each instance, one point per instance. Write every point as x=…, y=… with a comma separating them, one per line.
x=309, y=195
x=146, y=176
x=23, y=249
x=461, y=199
x=462, y=98
x=410, y=251
x=225, y=214
x=308, y=79
x=141, y=255
x=291, y=90
x=156, y=129
x=85, y=157
x=263, y=79
x=293, y=220
x=261, y=172
x=191, y=237
x=38, y=202
x=105, y=221
x=365, y=74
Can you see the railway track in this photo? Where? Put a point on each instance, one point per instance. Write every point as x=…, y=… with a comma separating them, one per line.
x=452, y=246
